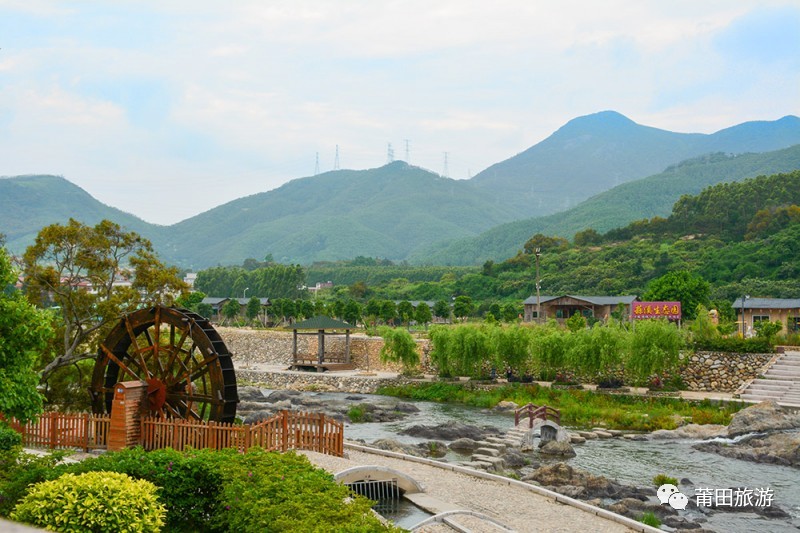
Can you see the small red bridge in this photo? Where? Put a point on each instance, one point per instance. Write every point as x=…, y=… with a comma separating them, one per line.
x=533, y=411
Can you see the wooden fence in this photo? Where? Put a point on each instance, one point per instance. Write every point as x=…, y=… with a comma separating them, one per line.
x=285, y=431
x=65, y=430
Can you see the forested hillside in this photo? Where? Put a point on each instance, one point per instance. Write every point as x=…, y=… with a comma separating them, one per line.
x=741, y=237
x=648, y=197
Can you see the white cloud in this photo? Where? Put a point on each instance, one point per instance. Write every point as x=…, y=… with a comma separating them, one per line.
x=216, y=102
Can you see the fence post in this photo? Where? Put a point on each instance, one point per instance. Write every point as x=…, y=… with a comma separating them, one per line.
x=53, y=434
x=285, y=436
x=321, y=434
x=86, y=432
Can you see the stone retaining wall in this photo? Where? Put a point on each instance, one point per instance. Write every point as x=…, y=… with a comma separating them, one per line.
x=252, y=347
x=311, y=381
x=722, y=371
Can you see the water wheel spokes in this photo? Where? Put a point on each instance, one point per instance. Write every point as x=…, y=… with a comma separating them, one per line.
x=186, y=365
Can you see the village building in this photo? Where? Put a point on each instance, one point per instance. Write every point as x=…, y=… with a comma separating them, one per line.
x=561, y=308
x=753, y=310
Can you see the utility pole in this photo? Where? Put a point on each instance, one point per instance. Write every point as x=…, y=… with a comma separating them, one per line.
x=336, y=159
x=316, y=166
x=408, y=151
x=446, y=171
x=390, y=154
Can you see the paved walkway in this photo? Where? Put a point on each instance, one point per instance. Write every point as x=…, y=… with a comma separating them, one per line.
x=520, y=506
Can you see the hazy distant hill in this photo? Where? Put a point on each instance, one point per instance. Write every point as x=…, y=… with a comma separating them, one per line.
x=593, y=153
x=645, y=198
x=400, y=212
x=28, y=203
x=383, y=212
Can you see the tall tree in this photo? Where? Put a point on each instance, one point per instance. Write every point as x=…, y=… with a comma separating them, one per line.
x=24, y=334
x=690, y=289
x=93, y=275
x=231, y=309
x=253, y=308
x=442, y=309
x=463, y=307
x=423, y=314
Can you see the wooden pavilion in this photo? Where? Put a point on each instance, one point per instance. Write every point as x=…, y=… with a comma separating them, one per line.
x=322, y=327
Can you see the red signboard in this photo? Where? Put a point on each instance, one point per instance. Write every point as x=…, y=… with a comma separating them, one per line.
x=670, y=310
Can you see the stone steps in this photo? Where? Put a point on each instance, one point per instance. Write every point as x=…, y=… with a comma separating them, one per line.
x=780, y=382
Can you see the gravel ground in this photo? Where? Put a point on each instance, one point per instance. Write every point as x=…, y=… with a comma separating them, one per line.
x=513, y=506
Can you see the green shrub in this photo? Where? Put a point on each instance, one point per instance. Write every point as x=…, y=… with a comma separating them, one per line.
x=8, y=438
x=356, y=414
x=94, y=501
x=654, y=349
x=650, y=519
x=663, y=479
x=19, y=470
x=271, y=492
x=735, y=345
x=399, y=347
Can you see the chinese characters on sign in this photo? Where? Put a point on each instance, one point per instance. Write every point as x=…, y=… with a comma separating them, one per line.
x=738, y=497
x=670, y=310
x=708, y=497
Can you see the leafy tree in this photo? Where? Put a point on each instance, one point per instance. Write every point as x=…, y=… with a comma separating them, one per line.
x=253, y=308
x=405, y=311
x=204, y=310
x=352, y=312
x=511, y=345
x=442, y=309
x=690, y=289
x=399, y=347
x=543, y=242
x=767, y=329
x=24, y=333
x=190, y=300
x=463, y=307
x=576, y=322
x=510, y=312
x=388, y=311
x=358, y=289
x=231, y=309
x=597, y=351
x=423, y=314
x=79, y=269
x=587, y=237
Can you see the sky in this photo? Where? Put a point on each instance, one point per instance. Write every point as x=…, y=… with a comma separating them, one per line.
x=167, y=109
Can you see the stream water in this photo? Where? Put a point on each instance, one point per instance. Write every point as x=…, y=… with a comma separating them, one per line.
x=629, y=462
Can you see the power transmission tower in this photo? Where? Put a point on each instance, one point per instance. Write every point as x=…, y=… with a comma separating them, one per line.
x=408, y=151
x=446, y=173
x=336, y=160
x=316, y=166
x=390, y=154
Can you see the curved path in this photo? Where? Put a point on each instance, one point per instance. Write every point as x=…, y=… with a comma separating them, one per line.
x=520, y=506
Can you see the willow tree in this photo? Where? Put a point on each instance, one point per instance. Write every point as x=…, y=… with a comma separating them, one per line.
x=92, y=275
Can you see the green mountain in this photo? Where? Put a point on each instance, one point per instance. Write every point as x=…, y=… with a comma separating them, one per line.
x=28, y=203
x=644, y=198
x=594, y=153
x=383, y=212
x=401, y=212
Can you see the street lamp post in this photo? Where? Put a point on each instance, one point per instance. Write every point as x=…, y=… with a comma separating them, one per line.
x=538, y=252
x=244, y=292
x=744, y=297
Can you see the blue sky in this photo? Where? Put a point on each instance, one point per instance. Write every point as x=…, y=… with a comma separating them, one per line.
x=166, y=109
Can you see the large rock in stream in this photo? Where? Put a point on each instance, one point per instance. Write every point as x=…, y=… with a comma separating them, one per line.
x=762, y=417
x=776, y=448
x=451, y=430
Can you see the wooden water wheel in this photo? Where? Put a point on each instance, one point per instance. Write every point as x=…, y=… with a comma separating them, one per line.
x=187, y=367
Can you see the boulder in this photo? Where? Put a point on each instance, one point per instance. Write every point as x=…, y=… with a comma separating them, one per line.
x=450, y=431
x=506, y=407
x=689, y=431
x=764, y=416
x=463, y=445
x=250, y=394
x=392, y=445
x=775, y=448
x=561, y=474
x=555, y=447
